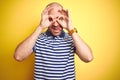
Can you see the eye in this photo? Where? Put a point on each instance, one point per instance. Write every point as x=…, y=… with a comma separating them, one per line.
x=61, y=18
x=50, y=19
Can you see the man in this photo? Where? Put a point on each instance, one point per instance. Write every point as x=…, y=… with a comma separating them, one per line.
x=54, y=49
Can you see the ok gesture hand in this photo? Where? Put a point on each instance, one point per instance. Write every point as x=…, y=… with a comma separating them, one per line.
x=45, y=21
x=64, y=20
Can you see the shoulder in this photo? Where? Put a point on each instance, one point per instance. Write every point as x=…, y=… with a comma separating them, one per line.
x=68, y=38
x=42, y=35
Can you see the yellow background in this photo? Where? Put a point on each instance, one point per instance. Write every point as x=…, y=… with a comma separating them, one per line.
x=97, y=22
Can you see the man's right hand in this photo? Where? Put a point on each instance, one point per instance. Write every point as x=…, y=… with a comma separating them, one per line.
x=46, y=19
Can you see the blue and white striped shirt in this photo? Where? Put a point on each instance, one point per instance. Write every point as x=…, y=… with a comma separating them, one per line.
x=54, y=57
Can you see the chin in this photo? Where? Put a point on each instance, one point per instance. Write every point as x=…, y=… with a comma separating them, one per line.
x=56, y=34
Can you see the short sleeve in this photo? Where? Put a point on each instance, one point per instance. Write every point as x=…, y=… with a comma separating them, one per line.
x=40, y=36
x=34, y=48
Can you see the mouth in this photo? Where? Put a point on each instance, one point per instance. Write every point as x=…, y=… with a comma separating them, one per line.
x=56, y=28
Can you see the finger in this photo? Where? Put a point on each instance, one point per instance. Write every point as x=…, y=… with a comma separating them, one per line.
x=61, y=23
x=61, y=17
x=68, y=15
x=45, y=11
x=62, y=11
x=58, y=21
x=65, y=11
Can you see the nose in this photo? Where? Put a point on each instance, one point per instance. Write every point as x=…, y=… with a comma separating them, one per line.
x=55, y=23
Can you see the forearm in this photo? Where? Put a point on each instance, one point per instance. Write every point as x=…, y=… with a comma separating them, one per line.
x=82, y=49
x=25, y=48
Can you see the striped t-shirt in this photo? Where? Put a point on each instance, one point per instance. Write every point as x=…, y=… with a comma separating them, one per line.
x=54, y=57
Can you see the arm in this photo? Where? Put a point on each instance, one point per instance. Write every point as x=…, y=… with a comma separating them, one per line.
x=25, y=48
x=82, y=49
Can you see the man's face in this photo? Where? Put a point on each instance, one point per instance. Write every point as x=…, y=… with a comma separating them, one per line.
x=55, y=15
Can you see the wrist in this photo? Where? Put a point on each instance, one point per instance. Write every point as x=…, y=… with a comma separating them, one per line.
x=72, y=30
x=69, y=29
x=39, y=28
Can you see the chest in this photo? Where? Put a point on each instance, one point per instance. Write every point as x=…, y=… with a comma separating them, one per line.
x=54, y=47
x=54, y=44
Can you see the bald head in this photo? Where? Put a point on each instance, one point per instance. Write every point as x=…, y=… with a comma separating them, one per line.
x=53, y=8
x=54, y=4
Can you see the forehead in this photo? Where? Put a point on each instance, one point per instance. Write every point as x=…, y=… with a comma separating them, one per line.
x=54, y=10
